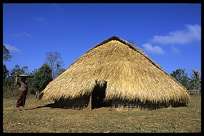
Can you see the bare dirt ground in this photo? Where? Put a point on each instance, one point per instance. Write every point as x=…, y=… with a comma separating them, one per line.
x=39, y=118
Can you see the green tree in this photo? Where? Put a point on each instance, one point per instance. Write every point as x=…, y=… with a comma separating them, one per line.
x=8, y=83
x=6, y=57
x=181, y=76
x=54, y=60
x=42, y=77
x=18, y=70
x=195, y=80
x=5, y=71
x=6, y=54
x=61, y=71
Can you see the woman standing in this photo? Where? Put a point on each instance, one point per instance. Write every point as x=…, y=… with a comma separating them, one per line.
x=23, y=89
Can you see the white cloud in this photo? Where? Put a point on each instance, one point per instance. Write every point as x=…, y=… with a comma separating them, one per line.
x=12, y=48
x=153, y=49
x=27, y=34
x=175, y=50
x=20, y=34
x=41, y=19
x=190, y=34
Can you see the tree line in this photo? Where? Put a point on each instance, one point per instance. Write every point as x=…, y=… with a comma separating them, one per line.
x=41, y=76
x=191, y=83
x=53, y=68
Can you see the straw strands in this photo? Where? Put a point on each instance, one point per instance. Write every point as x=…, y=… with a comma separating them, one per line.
x=130, y=75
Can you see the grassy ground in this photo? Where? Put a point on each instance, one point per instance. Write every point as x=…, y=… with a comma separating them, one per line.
x=38, y=118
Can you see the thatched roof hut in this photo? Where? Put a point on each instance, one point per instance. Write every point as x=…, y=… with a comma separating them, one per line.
x=124, y=71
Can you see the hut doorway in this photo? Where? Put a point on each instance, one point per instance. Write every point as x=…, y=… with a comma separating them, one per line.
x=98, y=96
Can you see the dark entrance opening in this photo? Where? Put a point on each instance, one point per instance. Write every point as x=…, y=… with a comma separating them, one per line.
x=98, y=96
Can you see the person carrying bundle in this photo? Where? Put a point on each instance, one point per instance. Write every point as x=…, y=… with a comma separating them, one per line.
x=23, y=89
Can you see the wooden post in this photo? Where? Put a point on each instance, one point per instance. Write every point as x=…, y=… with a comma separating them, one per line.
x=90, y=103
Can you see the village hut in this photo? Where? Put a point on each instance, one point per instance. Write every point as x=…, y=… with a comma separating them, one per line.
x=115, y=73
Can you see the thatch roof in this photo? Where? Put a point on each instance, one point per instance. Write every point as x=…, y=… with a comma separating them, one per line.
x=130, y=75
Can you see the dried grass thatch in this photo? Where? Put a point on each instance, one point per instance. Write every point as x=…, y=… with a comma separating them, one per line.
x=130, y=75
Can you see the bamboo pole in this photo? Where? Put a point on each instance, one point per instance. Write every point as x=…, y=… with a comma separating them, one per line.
x=23, y=76
x=90, y=101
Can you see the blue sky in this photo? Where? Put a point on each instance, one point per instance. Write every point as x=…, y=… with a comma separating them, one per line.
x=169, y=33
